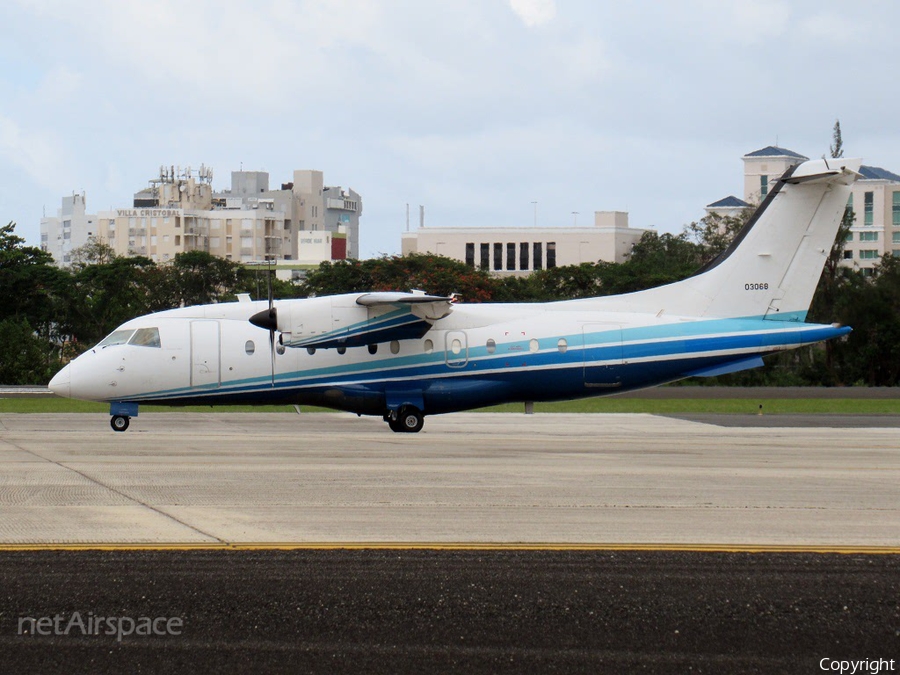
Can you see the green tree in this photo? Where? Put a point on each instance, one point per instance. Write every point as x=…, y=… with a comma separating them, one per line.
x=28, y=278
x=200, y=278
x=837, y=145
x=432, y=273
x=715, y=232
x=99, y=297
x=28, y=358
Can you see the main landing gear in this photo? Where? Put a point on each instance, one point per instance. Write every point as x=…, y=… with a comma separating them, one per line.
x=408, y=419
x=119, y=422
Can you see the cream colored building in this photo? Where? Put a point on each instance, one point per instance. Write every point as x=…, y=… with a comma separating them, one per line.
x=303, y=223
x=521, y=250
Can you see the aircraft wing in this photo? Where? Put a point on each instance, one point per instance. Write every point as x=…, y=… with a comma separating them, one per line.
x=428, y=307
x=367, y=319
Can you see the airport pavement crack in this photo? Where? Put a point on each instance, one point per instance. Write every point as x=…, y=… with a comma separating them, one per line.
x=117, y=491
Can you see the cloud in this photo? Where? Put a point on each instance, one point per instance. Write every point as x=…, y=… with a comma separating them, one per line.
x=33, y=151
x=534, y=12
x=835, y=28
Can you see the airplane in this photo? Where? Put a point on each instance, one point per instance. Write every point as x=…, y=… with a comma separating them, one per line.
x=405, y=355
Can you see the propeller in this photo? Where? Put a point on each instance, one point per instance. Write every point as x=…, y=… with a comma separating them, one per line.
x=268, y=319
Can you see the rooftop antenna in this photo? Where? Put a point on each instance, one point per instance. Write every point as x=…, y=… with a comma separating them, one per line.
x=421, y=216
x=407, y=216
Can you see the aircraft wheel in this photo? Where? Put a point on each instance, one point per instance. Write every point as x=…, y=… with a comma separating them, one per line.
x=411, y=420
x=395, y=425
x=119, y=422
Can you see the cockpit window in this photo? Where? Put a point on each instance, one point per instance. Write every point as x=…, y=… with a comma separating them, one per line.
x=146, y=337
x=118, y=337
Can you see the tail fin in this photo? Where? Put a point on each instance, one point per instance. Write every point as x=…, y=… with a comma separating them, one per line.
x=773, y=266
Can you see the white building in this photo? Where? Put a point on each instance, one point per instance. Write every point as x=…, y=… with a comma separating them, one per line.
x=521, y=250
x=69, y=229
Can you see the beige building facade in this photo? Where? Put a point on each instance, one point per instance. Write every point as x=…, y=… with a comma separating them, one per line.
x=302, y=224
x=522, y=250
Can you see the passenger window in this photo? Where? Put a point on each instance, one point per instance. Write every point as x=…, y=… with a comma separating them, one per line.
x=119, y=337
x=395, y=347
x=563, y=345
x=533, y=345
x=342, y=350
x=429, y=346
x=249, y=347
x=491, y=346
x=373, y=349
x=456, y=346
x=310, y=350
x=146, y=337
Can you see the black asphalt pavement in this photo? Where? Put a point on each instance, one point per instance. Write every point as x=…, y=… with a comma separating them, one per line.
x=433, y=611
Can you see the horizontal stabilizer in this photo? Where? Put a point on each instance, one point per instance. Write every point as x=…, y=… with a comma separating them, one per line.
x=726, y=368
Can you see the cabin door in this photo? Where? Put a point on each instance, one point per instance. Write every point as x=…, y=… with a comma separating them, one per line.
x=603, y=358
x=205, y=354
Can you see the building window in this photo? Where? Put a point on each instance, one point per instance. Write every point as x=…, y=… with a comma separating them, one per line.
x=551, y=254
x=511, y=257
x=523, y=255
x=848, y=211
x=849, y=237
x=868, y=208
x=868, y=254
x=763, y=186
x=498, y=256
x=895, y=210
x=485, y=256
x=538, y=255
x=470, y=254
x=848, y=255
x=868, y=236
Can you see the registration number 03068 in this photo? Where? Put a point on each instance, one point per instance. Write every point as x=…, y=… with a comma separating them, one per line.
x=756, y=287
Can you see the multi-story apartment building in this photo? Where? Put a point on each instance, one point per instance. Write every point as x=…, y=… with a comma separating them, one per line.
x=305, y=222
x=521, y=250
x=874, y=200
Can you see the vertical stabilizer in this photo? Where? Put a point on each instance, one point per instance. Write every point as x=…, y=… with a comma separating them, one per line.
x=773, y=266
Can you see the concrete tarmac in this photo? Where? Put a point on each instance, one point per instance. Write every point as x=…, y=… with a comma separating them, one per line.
x=226, y=480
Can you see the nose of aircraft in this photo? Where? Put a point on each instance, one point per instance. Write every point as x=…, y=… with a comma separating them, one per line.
x=61, y=384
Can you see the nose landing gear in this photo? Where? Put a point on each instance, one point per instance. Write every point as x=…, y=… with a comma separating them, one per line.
x=122, y=412
x=119, y=422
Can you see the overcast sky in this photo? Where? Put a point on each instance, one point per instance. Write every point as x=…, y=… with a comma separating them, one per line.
x=474, y=108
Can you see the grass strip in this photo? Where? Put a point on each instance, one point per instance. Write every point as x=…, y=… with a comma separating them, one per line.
x=590, y=405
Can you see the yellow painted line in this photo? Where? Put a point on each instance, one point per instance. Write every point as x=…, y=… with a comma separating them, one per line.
x=453, y=546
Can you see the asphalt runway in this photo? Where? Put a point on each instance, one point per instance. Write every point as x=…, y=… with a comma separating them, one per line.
x=487, y=543
x=401, y=611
